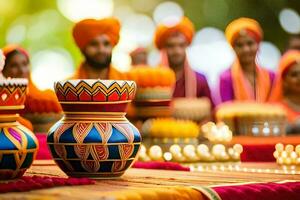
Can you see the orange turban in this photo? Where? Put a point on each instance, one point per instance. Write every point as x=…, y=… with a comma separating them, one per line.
x=185, y=26
x=288, y=59
x=13, y=47
x=87, y=29
x=249, y=26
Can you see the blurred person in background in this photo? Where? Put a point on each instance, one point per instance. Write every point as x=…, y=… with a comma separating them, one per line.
x=96, y=40
x=245, y=80
x=139, y=57
x=286, y=90
x=173, y=41
x=17, y=65
x=294, y=42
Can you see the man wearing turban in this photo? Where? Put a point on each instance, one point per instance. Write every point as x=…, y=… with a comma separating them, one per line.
x=245, y=80
x=173, y=41
x=96, y=39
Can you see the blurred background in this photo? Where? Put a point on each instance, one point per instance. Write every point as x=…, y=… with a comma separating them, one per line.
x=44, y=28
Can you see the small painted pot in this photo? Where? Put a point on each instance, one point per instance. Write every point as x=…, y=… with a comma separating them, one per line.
x=18, y=145
x=94, y=138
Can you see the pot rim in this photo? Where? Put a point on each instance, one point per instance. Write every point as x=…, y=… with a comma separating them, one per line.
x=91, y=82
x=14, y=81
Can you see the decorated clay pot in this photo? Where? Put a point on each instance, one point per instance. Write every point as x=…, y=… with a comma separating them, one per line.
x=94, y=138
x=18, y=145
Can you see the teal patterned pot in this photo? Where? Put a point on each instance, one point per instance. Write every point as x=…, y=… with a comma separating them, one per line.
x=94, y=138
x=18, y=145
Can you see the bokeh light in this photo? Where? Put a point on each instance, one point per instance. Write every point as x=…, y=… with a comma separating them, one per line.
x=268, y=56
x=121, y=60
x=16, y=34
x=141, y=6
x=211, y=59
x=38, y=29
x=123, y=12
x=168, y=13
x=76, y=10
x=208, y=35
x=9, y=7
x=289, y=20
x=51, y=65
x=210, y=53
x=153, y=57
x=137, y=29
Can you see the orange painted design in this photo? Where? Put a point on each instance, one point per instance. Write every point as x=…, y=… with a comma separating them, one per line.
x=100, y=152
x=81, y=130
x=126, y=150
x=90, y=166
x=118, y=166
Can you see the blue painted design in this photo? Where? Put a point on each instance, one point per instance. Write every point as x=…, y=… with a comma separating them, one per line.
x=102, y=161
x=8, y=162
x=11, y=147
x=117, y=137
x=70, y=151
x=5, y=143
x=93, y=136
x=67, y=136
x=106, y=166
x=114, y=152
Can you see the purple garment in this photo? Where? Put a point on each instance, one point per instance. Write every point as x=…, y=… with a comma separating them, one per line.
x=226, y=85
x=202, y=87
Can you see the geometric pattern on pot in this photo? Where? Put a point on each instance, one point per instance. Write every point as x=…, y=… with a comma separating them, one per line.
x=18, y=149
x=95, y=90
x=99, y=149
x=13, y=93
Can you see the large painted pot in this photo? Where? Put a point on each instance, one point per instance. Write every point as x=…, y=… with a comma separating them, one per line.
x=94, y=138
x=18, y=145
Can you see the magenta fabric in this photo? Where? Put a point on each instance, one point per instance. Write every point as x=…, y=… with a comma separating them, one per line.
x=226, y=87
x=43, y=152
x=260, y=191
x=258, y=153
x=27, y=183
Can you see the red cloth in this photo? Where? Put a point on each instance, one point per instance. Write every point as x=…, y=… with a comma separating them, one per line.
x=261, y=149
x=258, y=153
x=27, y=183
x=263, y=191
